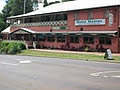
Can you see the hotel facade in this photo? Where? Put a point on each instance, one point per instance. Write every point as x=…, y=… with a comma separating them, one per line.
x=72, y=25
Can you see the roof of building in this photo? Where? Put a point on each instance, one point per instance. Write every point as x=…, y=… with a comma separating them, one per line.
x=72, y=5
x=7, y=30
x=79, y=32
x=23, y=29
x=65, y=32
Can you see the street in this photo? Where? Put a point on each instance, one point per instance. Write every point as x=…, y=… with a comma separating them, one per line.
x=40, y=73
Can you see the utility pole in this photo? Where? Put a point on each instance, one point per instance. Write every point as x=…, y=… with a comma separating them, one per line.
x=24, y=6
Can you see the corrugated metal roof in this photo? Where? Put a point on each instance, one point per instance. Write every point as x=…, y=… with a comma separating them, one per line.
x=28, y=30
x=7, y=30
x=72, y=5
x=24, y=29
x=79, y=32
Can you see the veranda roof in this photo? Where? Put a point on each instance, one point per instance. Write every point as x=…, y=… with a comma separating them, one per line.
x=64, y=32
x=71, y=6
x=7, y=30
x=23, y=31
x=79, y=32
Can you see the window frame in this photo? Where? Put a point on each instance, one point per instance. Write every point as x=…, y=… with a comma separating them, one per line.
x=50, y=38
x=106, y=40
x=61, y=39
x=75, y=39
x=90, y=14
x=88, y=39
x=76, y=16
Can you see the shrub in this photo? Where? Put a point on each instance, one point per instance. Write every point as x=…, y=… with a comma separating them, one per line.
x=11, y=47
x=3, y=47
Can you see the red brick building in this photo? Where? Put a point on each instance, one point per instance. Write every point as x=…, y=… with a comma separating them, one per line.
x=72, y=25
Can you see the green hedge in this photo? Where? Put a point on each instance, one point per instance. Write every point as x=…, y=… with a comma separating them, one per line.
x=11, y=47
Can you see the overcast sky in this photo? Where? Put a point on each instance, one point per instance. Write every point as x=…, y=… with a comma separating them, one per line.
x=2, y=3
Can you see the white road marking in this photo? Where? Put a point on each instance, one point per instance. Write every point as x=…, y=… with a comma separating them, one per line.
x=17, y=59
x=116, y=76
x=26, y=61
x=105, y=76
x=99, y=73
x=5, y=63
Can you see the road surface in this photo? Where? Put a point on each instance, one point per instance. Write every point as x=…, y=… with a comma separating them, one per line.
x=40, y=73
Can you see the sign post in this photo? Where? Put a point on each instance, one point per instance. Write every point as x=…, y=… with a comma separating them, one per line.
x=108, y=55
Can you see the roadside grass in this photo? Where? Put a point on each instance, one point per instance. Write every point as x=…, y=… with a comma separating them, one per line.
x=68, y=55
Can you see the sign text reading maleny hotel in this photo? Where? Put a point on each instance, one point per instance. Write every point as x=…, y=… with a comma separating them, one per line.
x=90, y=22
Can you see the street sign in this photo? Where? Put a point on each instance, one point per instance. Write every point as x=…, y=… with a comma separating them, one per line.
x=108, y=55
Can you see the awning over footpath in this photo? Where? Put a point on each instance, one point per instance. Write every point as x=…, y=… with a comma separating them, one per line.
x=79, y=33
x=47, y=33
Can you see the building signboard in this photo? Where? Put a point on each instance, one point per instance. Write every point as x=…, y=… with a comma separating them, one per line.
x=110, y=19
x=59, y=27
x=90, y=22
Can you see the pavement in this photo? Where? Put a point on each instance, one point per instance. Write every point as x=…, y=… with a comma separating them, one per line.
x=74, y=52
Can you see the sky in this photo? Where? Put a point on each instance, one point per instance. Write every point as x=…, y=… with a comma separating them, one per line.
x=2, y=3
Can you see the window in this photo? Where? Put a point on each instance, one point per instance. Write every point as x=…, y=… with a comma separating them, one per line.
x=50, y=39
x=105, y=40
x=40, y=38
x=106, y=13
x=61, y=39
x=74, y=39
x=90, y=15
x=76, y=16
x=88, y=40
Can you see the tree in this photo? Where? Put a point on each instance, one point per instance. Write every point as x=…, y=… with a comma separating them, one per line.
x=54, y=2
x=66, y=0
x=45, y=3
x=15, y=7
x=2, y=23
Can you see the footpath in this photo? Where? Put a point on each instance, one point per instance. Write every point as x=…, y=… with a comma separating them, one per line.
x=74, y=52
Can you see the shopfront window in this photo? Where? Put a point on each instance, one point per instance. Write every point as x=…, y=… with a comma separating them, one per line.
x=61, y=39
x=74, y=39
x=40, y=38
x=50, y=39
x=21, y=37
x=105, y=40
x=89, y=40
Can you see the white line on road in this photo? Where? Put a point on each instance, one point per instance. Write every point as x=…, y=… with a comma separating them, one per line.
x=17, y=59
x=116, y=76
x=105, y=76
x=26, y=61
x=100, y=73
x=5, y=63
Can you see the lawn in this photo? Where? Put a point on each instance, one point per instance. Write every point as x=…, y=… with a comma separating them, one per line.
x=67, y=55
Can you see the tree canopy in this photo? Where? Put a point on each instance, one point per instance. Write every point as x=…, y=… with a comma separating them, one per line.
x=15, y=7
x=66, y=0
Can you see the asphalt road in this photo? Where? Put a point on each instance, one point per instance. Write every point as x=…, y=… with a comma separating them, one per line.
x=39, y=73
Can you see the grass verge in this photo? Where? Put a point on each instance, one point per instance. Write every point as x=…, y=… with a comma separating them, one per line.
x=68, y=55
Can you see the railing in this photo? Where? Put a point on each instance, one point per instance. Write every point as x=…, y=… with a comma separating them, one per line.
x=51, y=23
